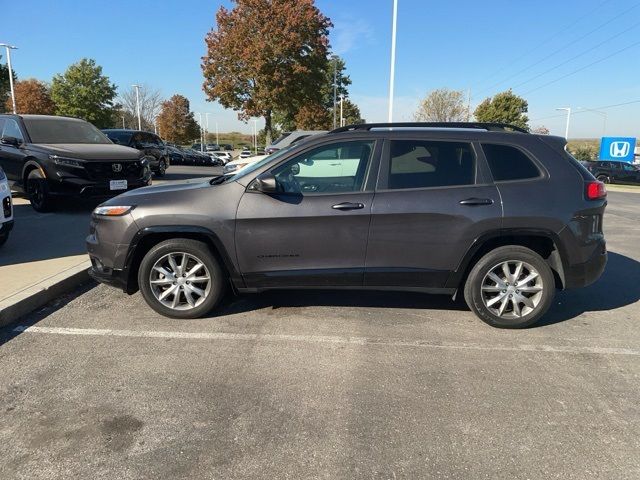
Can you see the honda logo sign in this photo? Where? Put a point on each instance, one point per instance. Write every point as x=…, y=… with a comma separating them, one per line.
x=116, y=167
x=617, y=148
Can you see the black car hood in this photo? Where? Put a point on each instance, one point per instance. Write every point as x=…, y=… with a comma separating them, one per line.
x=88, y=151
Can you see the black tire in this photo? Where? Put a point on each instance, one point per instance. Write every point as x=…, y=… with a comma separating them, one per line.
x=37, y=189
x=473, y=293
x=603, y=179
x=203, y=254
x=162, y=168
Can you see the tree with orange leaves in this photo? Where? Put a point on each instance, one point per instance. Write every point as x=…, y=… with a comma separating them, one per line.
x=32, y=96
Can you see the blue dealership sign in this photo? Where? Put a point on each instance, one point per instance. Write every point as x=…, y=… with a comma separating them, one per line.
x=617, y=148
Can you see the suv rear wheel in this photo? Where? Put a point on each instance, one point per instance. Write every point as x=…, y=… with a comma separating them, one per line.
x=603, y=179
x=510, y=287
x=162, y=168
x=181, y=278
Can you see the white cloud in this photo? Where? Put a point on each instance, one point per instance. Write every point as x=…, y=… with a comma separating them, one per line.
x=349, y=34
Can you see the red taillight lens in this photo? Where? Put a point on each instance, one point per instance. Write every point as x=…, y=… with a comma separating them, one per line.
x=596, y=191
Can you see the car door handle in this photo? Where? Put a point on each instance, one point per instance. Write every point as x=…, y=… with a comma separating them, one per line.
x=348, y=206
x=476, y=201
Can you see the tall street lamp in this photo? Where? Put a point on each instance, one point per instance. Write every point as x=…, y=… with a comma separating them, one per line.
x=206, y=116
x=392, y=73
x=568, y=110
x=137, y=87
x=13, y=93
x=201, y=134
x=335, y=88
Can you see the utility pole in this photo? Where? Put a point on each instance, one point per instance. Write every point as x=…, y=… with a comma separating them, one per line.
x=207, y=121
x=392, y=73
x=255, y=137
x=123, y=127
x=217, y=138
x=568, y=110
x=335, y=88
x=137, y=87
x=13, y=93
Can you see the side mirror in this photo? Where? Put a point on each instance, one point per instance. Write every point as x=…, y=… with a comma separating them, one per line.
x=13, y=141
x=265, y=182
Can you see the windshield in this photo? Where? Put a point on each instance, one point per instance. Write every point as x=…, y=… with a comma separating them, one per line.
x=60, y=130
x=255, y=166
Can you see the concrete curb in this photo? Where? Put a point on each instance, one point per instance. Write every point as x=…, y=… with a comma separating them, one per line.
x=34, y=297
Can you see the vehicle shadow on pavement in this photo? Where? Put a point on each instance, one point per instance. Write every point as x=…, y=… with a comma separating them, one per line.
x=618, y=286
x=37, y=236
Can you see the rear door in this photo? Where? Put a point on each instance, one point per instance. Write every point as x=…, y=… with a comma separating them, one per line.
x=432, y=202
x=314, y=231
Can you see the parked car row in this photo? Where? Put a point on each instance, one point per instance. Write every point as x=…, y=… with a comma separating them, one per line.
x=148, y=143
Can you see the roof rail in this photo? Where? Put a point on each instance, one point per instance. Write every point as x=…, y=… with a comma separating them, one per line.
x=489, y=126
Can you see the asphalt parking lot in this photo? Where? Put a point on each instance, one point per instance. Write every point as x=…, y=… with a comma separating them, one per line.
x=329, y=385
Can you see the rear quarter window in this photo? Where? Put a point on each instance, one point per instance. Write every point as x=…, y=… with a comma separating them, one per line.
x=509, y=163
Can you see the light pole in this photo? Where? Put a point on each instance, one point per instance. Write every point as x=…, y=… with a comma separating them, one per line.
x=392, y=73
x=201, y=135
x=137, y=87
x=13, y=93
x=207, y=121
x=335, y=87
x=602, y=114
x=123, y=127
x=217, y=139
x=255, y=137
x=341, y=110
x=568, y=110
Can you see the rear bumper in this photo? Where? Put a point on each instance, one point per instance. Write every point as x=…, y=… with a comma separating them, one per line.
x=583, y=274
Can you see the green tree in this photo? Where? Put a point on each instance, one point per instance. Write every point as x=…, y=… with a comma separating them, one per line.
x=351, y=113
x=584, y=153
x=5, y=86
x=84, y=92
x=505, y=107
x=176, y=122
x=443, y=105
x=266, y=55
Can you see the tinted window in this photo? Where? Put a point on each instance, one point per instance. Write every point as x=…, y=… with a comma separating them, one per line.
x=628, y=168
x=509, y=163
x=61, y=130
x=12, y=129
x=423, y=164
x=339, y=167
x=121, y=138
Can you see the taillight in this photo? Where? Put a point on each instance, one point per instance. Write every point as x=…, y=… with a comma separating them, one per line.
x=596, y=191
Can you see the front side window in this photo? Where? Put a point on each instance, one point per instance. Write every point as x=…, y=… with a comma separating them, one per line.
x=12, y=129
x=509, y=163
x=61, y=130
x=426, y=163
x=335, y=168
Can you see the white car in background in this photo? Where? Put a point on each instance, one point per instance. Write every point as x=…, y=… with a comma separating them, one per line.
x=226, y=157
x=6, y=209
x=234, y=167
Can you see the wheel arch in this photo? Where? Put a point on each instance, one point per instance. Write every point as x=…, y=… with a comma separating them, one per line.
x=148, y=237
x=30, y=164
x=544, y=242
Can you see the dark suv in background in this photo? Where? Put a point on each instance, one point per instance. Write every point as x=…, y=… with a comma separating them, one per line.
x=498, y=215
x=150, y=144
x=50, y=157
x=614, y=172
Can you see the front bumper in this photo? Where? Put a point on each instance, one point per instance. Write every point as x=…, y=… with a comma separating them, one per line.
x=6, y=227
x=108, y=276
x=93, y=188
x=584, y=274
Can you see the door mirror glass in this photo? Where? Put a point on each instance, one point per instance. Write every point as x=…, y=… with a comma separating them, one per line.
x=265, y=183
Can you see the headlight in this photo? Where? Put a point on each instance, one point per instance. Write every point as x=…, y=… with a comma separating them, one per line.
x=115, y=211
x=67, y=162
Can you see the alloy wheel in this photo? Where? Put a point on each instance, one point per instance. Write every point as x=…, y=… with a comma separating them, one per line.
x=180, y=281
x=512, y=289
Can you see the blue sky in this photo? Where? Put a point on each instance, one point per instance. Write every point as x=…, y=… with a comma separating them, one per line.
x=485, y=46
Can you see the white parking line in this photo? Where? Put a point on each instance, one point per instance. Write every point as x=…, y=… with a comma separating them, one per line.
x=326, y=339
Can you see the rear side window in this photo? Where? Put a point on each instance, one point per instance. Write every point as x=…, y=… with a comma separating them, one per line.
x=424, y=164
x=509, y=163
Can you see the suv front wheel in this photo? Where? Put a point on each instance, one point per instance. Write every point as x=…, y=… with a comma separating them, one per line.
x=181, y=278
x=510, y=287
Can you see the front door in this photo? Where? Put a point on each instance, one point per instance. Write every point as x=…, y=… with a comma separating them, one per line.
x=11, y=157
x=431, y=205
x=314, y=231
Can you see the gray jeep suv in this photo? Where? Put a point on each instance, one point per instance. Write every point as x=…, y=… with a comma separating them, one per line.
x=489, y=211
